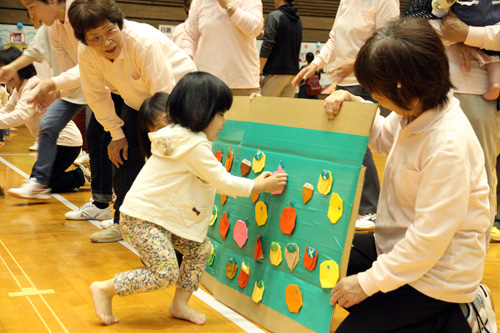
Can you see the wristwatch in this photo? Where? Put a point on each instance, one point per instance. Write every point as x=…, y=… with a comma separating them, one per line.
x=229, y=6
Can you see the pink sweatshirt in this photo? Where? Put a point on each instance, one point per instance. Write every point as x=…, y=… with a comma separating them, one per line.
x=224, y=45
x=19, y=112
x=433, y=210
x=149, y=62
x=354, y=23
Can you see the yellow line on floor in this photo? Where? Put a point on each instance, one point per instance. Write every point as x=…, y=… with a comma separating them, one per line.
x=30, y=291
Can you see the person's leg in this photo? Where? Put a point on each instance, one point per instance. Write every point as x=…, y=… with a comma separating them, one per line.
x=57, y=115
x=62, y=180
x=102, y=168
x=124, y=176
x=485, y=120
x=195, y=258
x=404, y=310
x=152, y=242
x=278, y=86
x=493, y=69
x=395, y=311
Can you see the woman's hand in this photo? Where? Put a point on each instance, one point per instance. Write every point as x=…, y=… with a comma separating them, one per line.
x=348, y=292
x=267, y=182
x=304, y=74
x=465, y=53
x=334, y=102
x=454, y=29
x=114, y=149
x=340, y=70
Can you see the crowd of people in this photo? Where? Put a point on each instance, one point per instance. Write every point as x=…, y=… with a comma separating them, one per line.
x=156, y=105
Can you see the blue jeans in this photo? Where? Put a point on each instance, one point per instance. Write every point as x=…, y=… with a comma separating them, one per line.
x=57, y=115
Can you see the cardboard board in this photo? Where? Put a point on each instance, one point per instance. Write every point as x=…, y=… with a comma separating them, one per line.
x=296, y=134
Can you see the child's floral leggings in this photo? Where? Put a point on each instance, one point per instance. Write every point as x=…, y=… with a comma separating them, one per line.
x=156, y=248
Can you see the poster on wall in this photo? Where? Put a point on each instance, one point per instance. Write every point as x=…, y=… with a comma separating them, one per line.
x=276, y=256
x=17, y=38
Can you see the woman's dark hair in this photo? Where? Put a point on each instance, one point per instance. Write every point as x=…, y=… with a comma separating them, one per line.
x=404, y=61
x=196, y=99
x=47, y=1
x=150, y=111
x=85, y=15
x=9, y=55
x=309, y=57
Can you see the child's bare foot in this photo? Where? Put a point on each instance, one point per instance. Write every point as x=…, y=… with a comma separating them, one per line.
x=187, y=313
x=102, y=297
x=493, y=92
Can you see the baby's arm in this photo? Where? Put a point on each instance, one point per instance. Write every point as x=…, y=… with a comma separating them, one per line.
x=267, y=182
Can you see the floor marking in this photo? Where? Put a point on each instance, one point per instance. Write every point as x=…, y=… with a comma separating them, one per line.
x=30, y=292
x=227, y=312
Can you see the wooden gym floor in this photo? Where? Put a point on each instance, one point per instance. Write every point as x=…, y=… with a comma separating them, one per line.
x=48, y=262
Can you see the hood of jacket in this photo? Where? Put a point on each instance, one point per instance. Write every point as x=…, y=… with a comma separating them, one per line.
x=173, y=141
x=290, y=11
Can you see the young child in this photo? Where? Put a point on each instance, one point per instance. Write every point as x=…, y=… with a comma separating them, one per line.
x=18, y=111
x=170, y=203
x=475, y=14
x=151, y=117
x=430, y=239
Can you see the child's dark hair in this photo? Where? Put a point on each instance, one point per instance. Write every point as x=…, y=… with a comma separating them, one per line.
x=85, y=15
x=9, y=55
x=150, y=111
x=196, y=99
x=309, y=57
x=404, y=61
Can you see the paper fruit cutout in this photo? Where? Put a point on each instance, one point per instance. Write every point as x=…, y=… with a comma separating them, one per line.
x=259, y=161
x=258, y=254
x=223, y=199
x=218, y=155
x=213, y=218
x=280, y=170
x=275, y=255
x=231, y=268
x=335, y=209
x=310, y=258
x=224, y=225
x=328, y=273
x=240, y=233
x=258, y=291
x=307, y=192
x=212, y=256
x=292, y=255
x=254, y=197
x=287, y=219
x=261, y=213
x=325, y=182
x=244, y=275
x=229, y=160
x=245, y=167
x=293, y=298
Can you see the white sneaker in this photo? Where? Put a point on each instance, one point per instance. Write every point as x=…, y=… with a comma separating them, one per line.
x=481, y=312
x=34, y=147
x=86, y=174
x=32, y=189
x=366, y=222
x=107, y=223
x=83, y=158
x=89, y=212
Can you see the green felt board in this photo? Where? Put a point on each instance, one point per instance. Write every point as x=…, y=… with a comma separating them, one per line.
x=305, y=153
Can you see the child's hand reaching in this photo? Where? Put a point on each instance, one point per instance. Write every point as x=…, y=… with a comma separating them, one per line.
x=267, y=182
